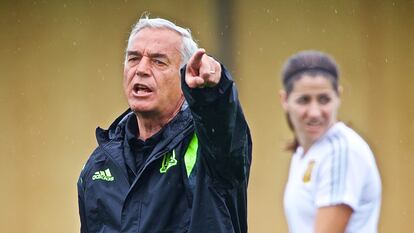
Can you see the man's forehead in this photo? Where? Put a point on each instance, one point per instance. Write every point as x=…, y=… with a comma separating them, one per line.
x=156, y=38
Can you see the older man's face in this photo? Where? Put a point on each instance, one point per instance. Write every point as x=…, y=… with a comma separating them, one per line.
x=151, y=72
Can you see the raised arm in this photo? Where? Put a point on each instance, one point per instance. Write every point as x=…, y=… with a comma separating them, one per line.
x=223, y=134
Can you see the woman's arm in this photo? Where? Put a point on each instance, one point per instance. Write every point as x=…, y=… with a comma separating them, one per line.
x=332, y=219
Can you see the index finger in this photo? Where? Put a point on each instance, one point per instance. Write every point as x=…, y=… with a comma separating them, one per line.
x=195, y=61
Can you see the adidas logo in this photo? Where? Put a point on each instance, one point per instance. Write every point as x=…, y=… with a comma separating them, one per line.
x=103, y=175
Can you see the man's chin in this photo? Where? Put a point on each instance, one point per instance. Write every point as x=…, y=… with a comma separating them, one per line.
x=141, y=109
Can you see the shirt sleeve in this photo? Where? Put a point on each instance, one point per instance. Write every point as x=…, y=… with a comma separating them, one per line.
x=222, y=131
x=341, y=175
x=81, y=203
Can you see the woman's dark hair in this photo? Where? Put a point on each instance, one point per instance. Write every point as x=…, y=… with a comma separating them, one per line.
x=312, y=63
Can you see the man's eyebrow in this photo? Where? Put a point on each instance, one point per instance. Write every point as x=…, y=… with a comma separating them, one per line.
x=150, y=55
x=157, y=55
x=133, y=53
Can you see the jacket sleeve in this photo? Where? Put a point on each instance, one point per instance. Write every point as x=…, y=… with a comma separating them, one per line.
x=81, y=201
x=224, y=138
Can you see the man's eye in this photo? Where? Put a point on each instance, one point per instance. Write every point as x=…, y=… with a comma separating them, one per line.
x=159, y=62
x=132, y=58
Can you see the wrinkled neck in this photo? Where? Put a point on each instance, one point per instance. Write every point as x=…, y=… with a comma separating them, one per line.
x=149, y=125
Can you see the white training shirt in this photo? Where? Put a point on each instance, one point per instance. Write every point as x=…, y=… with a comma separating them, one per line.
x=338, y=169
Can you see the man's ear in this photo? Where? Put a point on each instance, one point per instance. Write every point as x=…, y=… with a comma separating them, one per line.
x=283, y=99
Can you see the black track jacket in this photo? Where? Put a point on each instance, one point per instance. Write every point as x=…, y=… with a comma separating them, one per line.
x=195, y=179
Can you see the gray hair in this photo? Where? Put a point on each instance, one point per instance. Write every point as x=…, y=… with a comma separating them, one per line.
x=189, y=46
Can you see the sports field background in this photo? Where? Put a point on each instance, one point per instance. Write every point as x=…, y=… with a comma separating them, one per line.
x=61, y=72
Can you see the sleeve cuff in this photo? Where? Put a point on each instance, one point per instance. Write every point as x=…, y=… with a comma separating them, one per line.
x=208, y=94
x=346, y=200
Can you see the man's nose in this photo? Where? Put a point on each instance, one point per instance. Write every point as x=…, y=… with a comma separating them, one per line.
x=143, y=68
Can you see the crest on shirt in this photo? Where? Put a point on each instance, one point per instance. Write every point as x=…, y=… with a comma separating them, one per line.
x=308, y=173
x=168, y=161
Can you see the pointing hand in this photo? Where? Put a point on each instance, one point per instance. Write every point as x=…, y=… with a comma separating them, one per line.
x=202, y=71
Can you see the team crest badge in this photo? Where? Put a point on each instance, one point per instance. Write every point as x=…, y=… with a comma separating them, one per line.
x=308, y=172
x=168, y=161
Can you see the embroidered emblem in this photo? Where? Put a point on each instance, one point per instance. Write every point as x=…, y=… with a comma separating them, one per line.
x=103, y=175
x=168, y=161
x=308, y=172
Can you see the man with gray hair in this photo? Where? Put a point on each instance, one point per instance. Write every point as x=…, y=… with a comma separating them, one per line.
x=178, y=159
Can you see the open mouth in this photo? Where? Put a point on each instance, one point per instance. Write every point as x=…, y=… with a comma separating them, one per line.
x=141, y=89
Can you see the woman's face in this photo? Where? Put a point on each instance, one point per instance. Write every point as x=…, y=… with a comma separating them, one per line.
x=312, y=107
